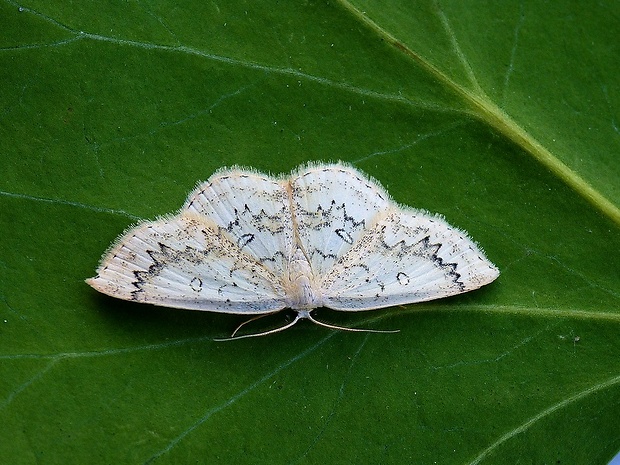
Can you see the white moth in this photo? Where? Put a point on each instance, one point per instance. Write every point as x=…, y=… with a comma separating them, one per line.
x=325, y=236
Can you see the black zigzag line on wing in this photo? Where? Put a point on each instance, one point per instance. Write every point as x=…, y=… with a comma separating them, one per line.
x=425, y=248
x=257, y=220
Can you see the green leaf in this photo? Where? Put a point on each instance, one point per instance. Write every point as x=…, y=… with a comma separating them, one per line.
x=501, y=116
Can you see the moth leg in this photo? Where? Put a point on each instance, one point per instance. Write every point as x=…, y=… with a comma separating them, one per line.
x=343, y=328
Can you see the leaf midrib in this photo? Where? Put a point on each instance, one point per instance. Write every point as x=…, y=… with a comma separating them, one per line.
x=491, y=114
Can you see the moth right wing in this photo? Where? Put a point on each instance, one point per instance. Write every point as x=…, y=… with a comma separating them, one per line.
x=333, y=207
x=408, y=256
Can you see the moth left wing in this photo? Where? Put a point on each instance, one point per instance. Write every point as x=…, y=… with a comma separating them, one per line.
x=187, y=262
x=250, y=209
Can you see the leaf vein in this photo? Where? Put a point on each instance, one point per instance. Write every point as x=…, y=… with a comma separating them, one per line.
x=70, y=203
x=615, y=380
x=457, y=49
x=218, y=408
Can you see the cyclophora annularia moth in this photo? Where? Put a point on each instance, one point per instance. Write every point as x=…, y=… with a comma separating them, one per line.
x=325, y=236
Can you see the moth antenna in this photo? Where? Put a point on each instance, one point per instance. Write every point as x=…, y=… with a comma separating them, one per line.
x=264, y=333
x=248, y=321
x=343, y=328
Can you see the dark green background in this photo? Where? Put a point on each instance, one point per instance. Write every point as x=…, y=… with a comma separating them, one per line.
x=502, y=116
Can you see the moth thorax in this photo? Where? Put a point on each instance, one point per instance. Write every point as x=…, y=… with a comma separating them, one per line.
x=301, y=290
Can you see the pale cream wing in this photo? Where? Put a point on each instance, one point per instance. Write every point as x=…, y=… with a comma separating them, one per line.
x=408, y=256
x=333, y=208
x=252, y=210
x=188, y=262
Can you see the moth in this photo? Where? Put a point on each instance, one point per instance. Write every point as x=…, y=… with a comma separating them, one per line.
x=327, y=235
